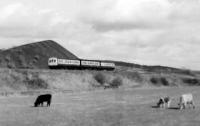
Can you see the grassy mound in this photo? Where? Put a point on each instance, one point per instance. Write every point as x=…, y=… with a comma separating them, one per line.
x=34, y=55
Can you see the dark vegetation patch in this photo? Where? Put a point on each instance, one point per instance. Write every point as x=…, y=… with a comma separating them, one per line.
x=116, y=82
x=164, y=81
x=103, y=81
x=100, y=78
x=191, y=81
x=159, y=81
x=154, y=80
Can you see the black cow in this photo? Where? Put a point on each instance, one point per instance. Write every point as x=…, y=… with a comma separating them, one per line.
x=43, y=98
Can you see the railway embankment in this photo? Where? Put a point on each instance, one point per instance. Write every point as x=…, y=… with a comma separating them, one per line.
x=30, y=80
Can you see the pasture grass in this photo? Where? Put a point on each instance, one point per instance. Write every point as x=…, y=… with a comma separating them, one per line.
x=133, y=107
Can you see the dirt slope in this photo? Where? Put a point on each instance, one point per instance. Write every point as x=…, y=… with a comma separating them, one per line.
x=34, y=55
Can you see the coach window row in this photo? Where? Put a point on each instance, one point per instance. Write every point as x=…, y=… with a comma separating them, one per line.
x=52, y=61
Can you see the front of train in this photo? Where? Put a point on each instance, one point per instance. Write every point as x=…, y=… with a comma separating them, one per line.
x=53, y=62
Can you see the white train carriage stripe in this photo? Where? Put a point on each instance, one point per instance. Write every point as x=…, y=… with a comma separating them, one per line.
x=68, y=62
x=90, y=63
x=107, y=64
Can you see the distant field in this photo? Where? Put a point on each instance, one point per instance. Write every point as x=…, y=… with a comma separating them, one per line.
x=133, y=107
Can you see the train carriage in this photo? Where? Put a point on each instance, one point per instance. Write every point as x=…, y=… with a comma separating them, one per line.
x=90, y=64
x=63, y=63
x=107, y=65
x=56, y=63
x=52, y=62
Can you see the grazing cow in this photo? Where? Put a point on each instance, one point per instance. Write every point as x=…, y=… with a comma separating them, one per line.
x=163, y=101
x=186, y=99
x=43, y=98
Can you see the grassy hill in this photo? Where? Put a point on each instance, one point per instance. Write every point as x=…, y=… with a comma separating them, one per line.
x=34, y=55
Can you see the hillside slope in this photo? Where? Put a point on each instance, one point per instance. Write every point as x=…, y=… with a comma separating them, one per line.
x=26, y=80
x=34, y=55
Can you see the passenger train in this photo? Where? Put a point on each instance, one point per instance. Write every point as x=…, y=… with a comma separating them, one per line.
x=56, y=63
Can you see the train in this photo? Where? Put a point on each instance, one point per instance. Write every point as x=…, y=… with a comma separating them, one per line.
x=57, y=63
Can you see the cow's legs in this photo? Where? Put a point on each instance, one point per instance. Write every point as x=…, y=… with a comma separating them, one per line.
x=168, y=104
x=48, y=103
x=182, y=106
x=192, y=103
x=189, y=104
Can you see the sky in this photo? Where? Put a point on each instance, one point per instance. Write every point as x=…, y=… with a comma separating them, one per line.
x=150, y=32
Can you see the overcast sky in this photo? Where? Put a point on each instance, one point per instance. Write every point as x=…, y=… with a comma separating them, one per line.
x=151, y=32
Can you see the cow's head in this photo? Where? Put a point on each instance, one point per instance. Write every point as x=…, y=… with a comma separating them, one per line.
x=35, y=104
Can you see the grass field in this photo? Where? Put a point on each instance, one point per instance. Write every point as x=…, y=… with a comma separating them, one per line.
x=118, y=107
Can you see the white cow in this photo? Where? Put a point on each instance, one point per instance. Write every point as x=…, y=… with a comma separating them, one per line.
x=186, y=99
x=163, y=101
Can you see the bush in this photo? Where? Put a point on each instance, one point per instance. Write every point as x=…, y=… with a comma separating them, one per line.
x=133, y=76
x=116, y=82
x=154, y=80
x=35, y=83
x=159, y=81
x=191, y=81
x=164, y=81
x=100, y=78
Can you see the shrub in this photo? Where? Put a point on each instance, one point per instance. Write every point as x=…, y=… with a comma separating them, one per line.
x=116, y=82
x=154, y=80
x=191, y=81
x=35, y=83
x=159, y=81
x=164, y=81
x=100, y=78
x=134, y=76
